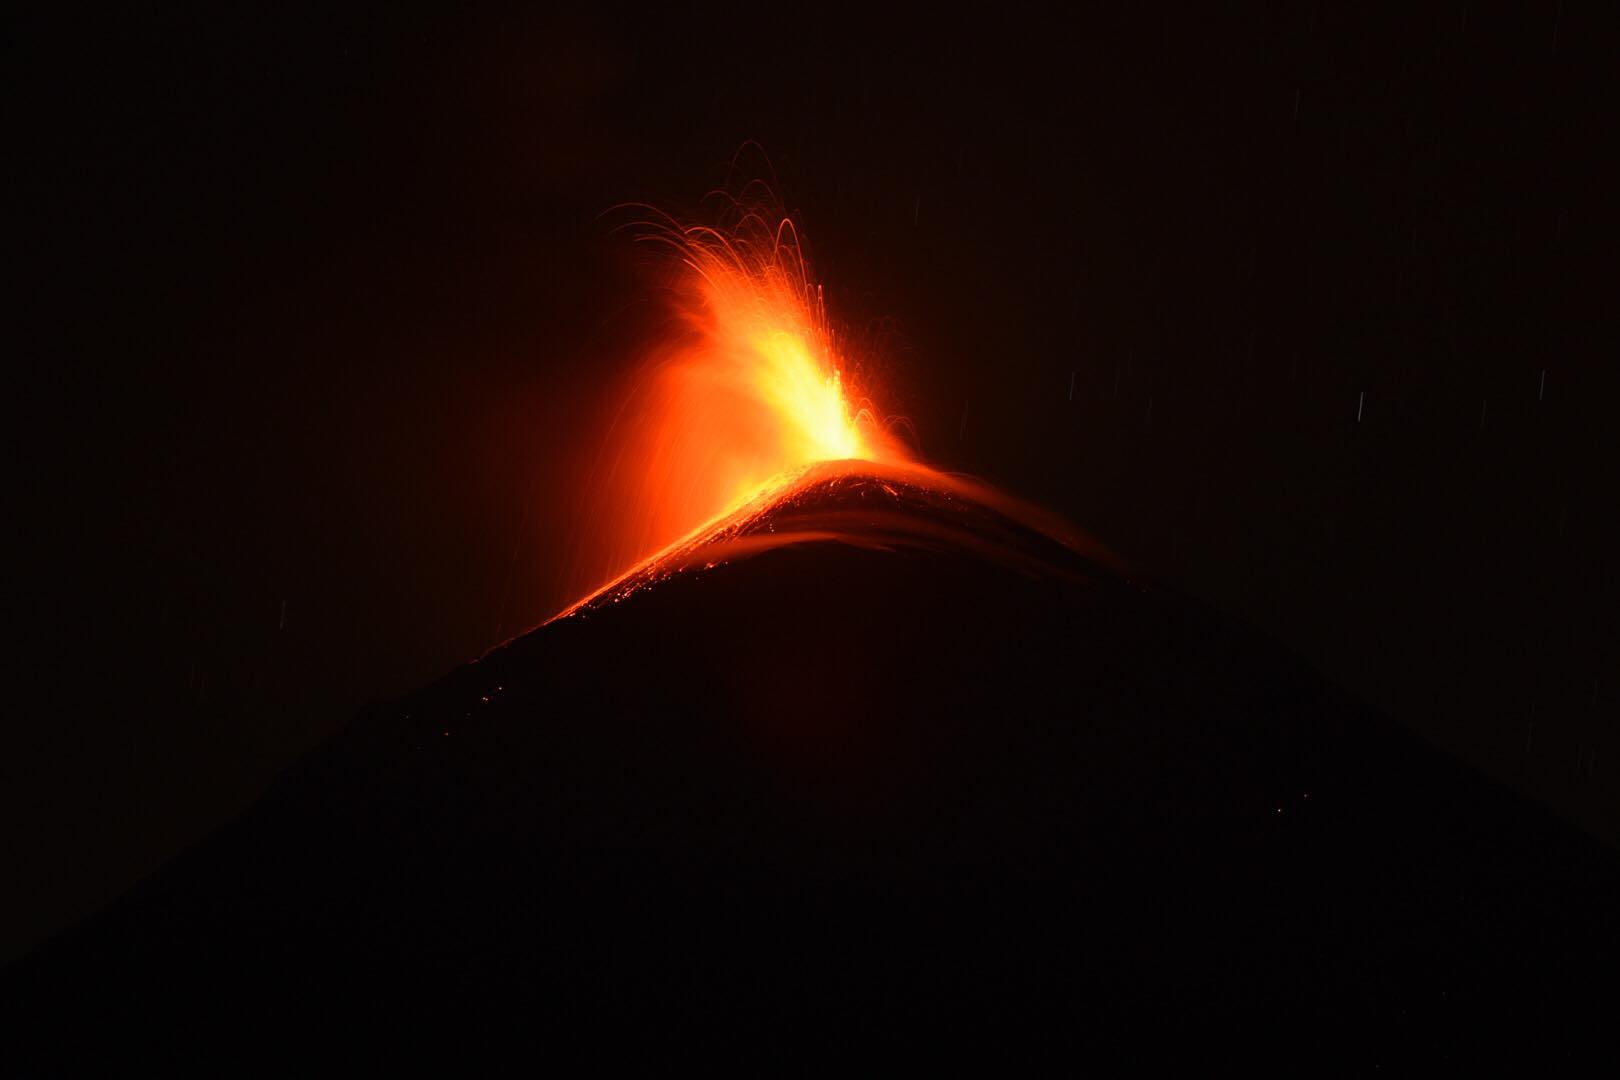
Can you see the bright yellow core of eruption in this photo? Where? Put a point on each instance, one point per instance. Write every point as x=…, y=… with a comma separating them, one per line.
x=746, y=392
x=756, y=392
x=810, y=403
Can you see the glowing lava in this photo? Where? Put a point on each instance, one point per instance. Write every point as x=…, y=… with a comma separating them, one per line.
x=750, y=390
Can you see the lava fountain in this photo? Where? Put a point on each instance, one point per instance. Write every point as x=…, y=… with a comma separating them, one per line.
x=746, y=432
x=750, y=389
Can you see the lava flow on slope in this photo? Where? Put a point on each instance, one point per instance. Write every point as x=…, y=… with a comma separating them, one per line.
x=869, y=505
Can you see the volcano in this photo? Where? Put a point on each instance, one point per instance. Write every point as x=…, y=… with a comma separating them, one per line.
x=879, y=768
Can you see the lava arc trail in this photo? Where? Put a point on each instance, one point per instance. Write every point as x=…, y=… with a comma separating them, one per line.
x=866, y=504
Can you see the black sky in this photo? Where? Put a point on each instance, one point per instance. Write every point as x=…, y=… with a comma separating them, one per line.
x=1296, y=307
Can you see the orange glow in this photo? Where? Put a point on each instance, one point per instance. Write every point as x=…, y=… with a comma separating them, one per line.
x=751, y=388
x=946, y=512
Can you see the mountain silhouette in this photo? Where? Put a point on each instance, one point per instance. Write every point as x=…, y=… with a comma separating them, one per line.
x=882, y=770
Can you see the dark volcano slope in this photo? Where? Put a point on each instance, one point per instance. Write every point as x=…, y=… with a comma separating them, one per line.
x=833, y=801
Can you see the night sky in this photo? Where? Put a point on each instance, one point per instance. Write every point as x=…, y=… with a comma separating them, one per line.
x=1296, y=308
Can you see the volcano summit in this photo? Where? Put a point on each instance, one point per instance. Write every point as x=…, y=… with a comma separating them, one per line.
x=877, y=768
